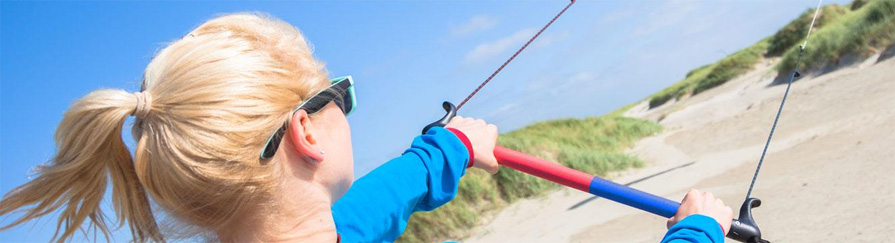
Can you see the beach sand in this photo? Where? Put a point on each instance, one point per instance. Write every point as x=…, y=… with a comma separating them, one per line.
x=827, y=176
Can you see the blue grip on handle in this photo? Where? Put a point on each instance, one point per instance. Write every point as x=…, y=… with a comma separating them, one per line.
x=633, y=197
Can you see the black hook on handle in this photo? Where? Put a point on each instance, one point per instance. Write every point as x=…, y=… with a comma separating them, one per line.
x=451, y=112
x=744, y=229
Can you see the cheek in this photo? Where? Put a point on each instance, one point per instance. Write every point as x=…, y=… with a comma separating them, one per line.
x=343, y=156
x=347, y=151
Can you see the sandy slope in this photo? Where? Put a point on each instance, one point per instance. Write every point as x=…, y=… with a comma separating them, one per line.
x=827, y=177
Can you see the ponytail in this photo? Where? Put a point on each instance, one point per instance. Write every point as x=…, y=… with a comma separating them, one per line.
x=90, y=151
x=216, y=96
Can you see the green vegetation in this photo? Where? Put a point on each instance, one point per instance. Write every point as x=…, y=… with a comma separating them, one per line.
x=594, y=145
x=856, y=4
x=681, y=88
x=709, y=76
x=732, y=66
x=619, y=112
x=794, y=32
x=856, y=34
x=856, y=30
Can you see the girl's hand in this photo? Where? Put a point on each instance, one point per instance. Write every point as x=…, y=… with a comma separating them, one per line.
x=483, y=137
x=704, y=203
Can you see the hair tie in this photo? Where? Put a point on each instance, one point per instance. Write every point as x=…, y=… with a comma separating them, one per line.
x=143, y=104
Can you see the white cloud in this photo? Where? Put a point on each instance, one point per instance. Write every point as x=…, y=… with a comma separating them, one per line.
x=490, y=49
x=541, y=82
x=502, y=109
x=617, y=15
x=670, y=14
x=552, y=83
x=582, y=77
x=576, y=79
x=550, y=39
x=476, y=24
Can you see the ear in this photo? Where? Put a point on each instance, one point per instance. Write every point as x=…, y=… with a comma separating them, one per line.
x=304, y=141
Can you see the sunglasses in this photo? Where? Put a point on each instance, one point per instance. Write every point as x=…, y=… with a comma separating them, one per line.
x=341, y=91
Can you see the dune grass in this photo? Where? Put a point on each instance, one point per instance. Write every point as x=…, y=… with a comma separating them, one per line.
x=732, y=66
x=711, y=75
x=856, y=4
x=594, y=145
x=856, y=34
x=856, y=30
x=794, y=32
x=618, y=112
x=681, y=88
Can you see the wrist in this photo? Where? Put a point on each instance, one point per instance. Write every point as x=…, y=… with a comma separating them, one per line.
x=460, y=135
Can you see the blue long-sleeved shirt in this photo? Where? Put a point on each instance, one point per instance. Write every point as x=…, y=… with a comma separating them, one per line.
x=696, y=228
x=376, y=208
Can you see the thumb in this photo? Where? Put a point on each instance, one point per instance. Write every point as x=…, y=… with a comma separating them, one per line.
x=488, y=163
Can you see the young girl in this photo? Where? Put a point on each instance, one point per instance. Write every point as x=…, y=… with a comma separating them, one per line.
x=241, y=136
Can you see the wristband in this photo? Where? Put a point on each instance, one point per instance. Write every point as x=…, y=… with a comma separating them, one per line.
x=466, y=143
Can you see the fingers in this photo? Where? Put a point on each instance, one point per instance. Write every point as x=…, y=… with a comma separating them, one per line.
x=489, y=164
x=695, y=197
x=456, y=120
x=483, y=137
x=466, y=121
x=705, y=203
x=724, y=215
x=693, y=193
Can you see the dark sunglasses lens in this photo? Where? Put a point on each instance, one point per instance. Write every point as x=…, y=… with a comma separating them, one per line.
x=342, y=97
x=346, y=102
x=273, y=144
x=270, y=149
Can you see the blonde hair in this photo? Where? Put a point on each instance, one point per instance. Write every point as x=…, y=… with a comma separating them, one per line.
x=217, y=94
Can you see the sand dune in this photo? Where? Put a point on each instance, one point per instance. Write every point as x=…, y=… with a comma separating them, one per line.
x=827, y=176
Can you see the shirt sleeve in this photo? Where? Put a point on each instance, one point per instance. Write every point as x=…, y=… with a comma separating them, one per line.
x=695, y=228
x=377, y=206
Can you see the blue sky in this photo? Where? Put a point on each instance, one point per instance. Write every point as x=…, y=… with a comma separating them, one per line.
x=406, y=57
